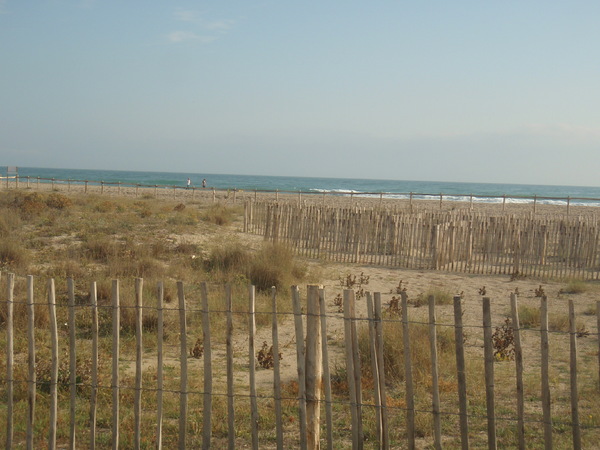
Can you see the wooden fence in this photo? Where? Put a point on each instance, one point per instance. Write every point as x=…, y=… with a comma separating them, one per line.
x=459, y=241
x=124, y=402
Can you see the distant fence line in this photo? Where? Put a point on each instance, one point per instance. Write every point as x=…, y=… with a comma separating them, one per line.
x=89, y=323
x=458, y=241
x=232, y=193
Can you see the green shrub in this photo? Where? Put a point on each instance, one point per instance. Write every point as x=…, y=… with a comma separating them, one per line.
x=575, y=287
x=227, y=258
x=274, y=265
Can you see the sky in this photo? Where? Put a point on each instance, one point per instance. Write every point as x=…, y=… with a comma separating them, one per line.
x=473, y=91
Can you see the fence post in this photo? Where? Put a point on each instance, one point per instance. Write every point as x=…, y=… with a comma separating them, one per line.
x=94, y=377
x=229, y=349
x=435, y=390
x=9, y=359
x=183, y=385
x=300, y=365
x=72, y=361
x=408, y=375
x=314, y=367
x=461, y=373
x=519, y=370
x=137, y=401
x=54, y=372
x=374, y=368
x=352, y=363
x=159, y=366
x=545, y=353
x=207, y=407
x=326, y=372
x=489, y=373
x=32, y=379
x=252, y=364
x=116, y=324
x=276, y=367
x=573, y=373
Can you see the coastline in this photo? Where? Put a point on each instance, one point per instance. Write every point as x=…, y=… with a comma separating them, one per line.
x=232, y=197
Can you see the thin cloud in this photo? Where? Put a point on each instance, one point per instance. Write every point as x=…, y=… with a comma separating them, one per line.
x=183, y=36
x=185, y=15
x=220, y=25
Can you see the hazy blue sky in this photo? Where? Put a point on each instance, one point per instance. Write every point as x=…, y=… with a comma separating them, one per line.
x=498, y=91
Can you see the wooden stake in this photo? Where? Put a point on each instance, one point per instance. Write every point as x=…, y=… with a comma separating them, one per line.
x=94, y=378
x=137, y=400
x=408, y=375
x=573, y=374
x=54, y=371
x=461, y=373
x=116, y=331
x=10, y=359
x=159, y=366
x=252, y=364
x=519, y=370
x=300, y=365
x=435, y=391
x=183, y=384
x=72, y=362
x=32, y=379
x=207, y=406
x=489, y=372
x=545, y=353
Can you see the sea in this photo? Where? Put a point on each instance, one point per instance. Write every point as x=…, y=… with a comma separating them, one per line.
x=401, y=189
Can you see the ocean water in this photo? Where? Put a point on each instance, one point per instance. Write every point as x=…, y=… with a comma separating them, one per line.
x=480, y=192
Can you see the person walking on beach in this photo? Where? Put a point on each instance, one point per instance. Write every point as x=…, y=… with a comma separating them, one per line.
x=189, y=183
x=204, y=183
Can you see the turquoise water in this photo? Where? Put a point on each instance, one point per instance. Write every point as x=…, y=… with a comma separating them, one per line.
x=482, y=192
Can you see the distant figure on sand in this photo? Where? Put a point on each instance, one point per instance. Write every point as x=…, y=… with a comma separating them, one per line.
x=189, y=183
x=204, y=183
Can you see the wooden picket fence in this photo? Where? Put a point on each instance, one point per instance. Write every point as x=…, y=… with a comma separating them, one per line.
x=458, y=241
x=108, y=399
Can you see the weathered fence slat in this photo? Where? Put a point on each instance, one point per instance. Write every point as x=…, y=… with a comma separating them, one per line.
x=573, y=374
x=348, y=299
x=326, y=371
x=252, y=365
x=519, y=370
x=314, y=368
x=545, y=366
x=374, y=367
x=54, y=371
x=208, y=380
x=408, y=374
x=116, y=350
x=276, y=370
x=385, y=444
x=489, y=373
x=32, y=378
x=461, y=373
x=183, y=382
x=229, y=351
x=160, y=295
x=72, y=362
x=300, y=365
x=94, y=377
x=139, y=348
x=9, y=359
x=435, y=390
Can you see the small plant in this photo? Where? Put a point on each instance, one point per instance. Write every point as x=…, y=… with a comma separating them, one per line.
x=265, y=356
x=503, y=341
x=339, y=302
x=574, y=287
x=539, y=292
x=197, y=350
x=179, y=207
x=516, y=275
x=356, y=283
x=394, y=306
x=482, y=290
